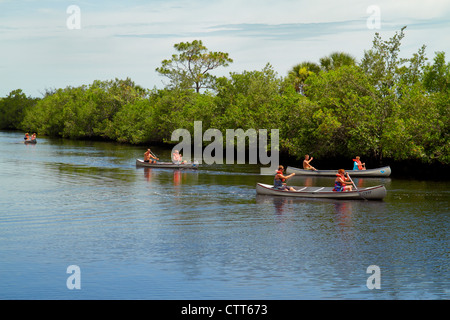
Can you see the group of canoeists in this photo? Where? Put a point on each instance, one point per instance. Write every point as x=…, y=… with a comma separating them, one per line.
x=150, y=157
x=357, y=165
x=27, y=137
x=342, y=182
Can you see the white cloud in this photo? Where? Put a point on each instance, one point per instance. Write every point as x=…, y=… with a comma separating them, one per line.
x=130, y=38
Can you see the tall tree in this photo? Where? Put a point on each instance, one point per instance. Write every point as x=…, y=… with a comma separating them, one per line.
x=336, y=60
x=381, y=63
x=300, y=72
x=436, y=80
x=190, y=68
x=437, y=75
x=13, y=107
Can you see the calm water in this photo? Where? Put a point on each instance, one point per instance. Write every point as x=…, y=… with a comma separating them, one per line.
x=142, y=233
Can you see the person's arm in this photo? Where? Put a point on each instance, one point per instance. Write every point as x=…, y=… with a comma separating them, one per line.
x=287, y=177
x=347, y=179
x=342, y=181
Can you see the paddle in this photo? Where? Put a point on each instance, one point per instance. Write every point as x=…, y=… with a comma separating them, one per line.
x=355, y=186
x=153, y=154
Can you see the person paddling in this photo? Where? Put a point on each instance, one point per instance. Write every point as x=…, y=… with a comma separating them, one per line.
x=341, y=183
x=279, y=182
x=148, y=156
x=357, y=165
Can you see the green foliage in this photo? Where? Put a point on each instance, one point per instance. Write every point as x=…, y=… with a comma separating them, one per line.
x=300, y=72
x=82, y=112
x=13, y=107
x=248, y=100
x=336, y=60
x=346, y=120
x=178, y=109
x=436, y=77
x=386, y=106
x=190, y=68
x=381, y=63
x=436, y=80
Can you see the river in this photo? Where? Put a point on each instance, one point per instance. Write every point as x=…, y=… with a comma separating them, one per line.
x=160, y=234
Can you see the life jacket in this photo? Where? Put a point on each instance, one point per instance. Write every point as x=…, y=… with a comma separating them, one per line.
x=341, y=176
x=359, y=163
x=338, y=186
x=278, y=183
x=280, y=172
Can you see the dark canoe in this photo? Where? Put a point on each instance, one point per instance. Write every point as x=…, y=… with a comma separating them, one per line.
x=166, y=165
x=377, y=172
x=30, y=141
x=370, y=193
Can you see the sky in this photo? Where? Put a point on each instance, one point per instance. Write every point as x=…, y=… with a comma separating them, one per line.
x=49, y=44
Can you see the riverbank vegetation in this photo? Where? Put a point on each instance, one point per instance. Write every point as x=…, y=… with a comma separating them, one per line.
x=383, y=106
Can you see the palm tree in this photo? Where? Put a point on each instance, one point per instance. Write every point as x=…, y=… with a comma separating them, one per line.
x=300, y=72
x=336, y=60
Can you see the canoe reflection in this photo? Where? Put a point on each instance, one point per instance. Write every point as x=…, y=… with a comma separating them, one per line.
x=279, y=203
x=163, y=176
x=342, y=208
x=148, y=174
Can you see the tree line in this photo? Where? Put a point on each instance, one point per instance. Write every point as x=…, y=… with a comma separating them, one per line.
x=383, y=106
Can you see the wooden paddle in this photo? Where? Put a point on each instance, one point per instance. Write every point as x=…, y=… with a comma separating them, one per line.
x=153, y=154
x=348, y=175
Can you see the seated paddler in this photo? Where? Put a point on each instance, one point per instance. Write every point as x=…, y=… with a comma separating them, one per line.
x=149, y=157
x=342, y=182
x=279, y=182
x=357, y=165
x=176, y=157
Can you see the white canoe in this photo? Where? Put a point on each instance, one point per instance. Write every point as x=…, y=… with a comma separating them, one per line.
x=370, y=193
x=166, y=165
x=377, y=172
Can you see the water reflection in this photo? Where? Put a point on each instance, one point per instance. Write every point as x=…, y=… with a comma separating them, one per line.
x=79, y=173
x=343, y=210
x=205, y=233
x=177, y=177
x=148, y=174
x=280, y=204
x=29, y=145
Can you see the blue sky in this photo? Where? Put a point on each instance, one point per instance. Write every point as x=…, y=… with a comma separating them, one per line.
x=119, y=39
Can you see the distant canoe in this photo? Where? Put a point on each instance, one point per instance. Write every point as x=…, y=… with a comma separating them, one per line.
x=166, y=165
x=377, y=172
x=370, y=193
x=30, y=141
